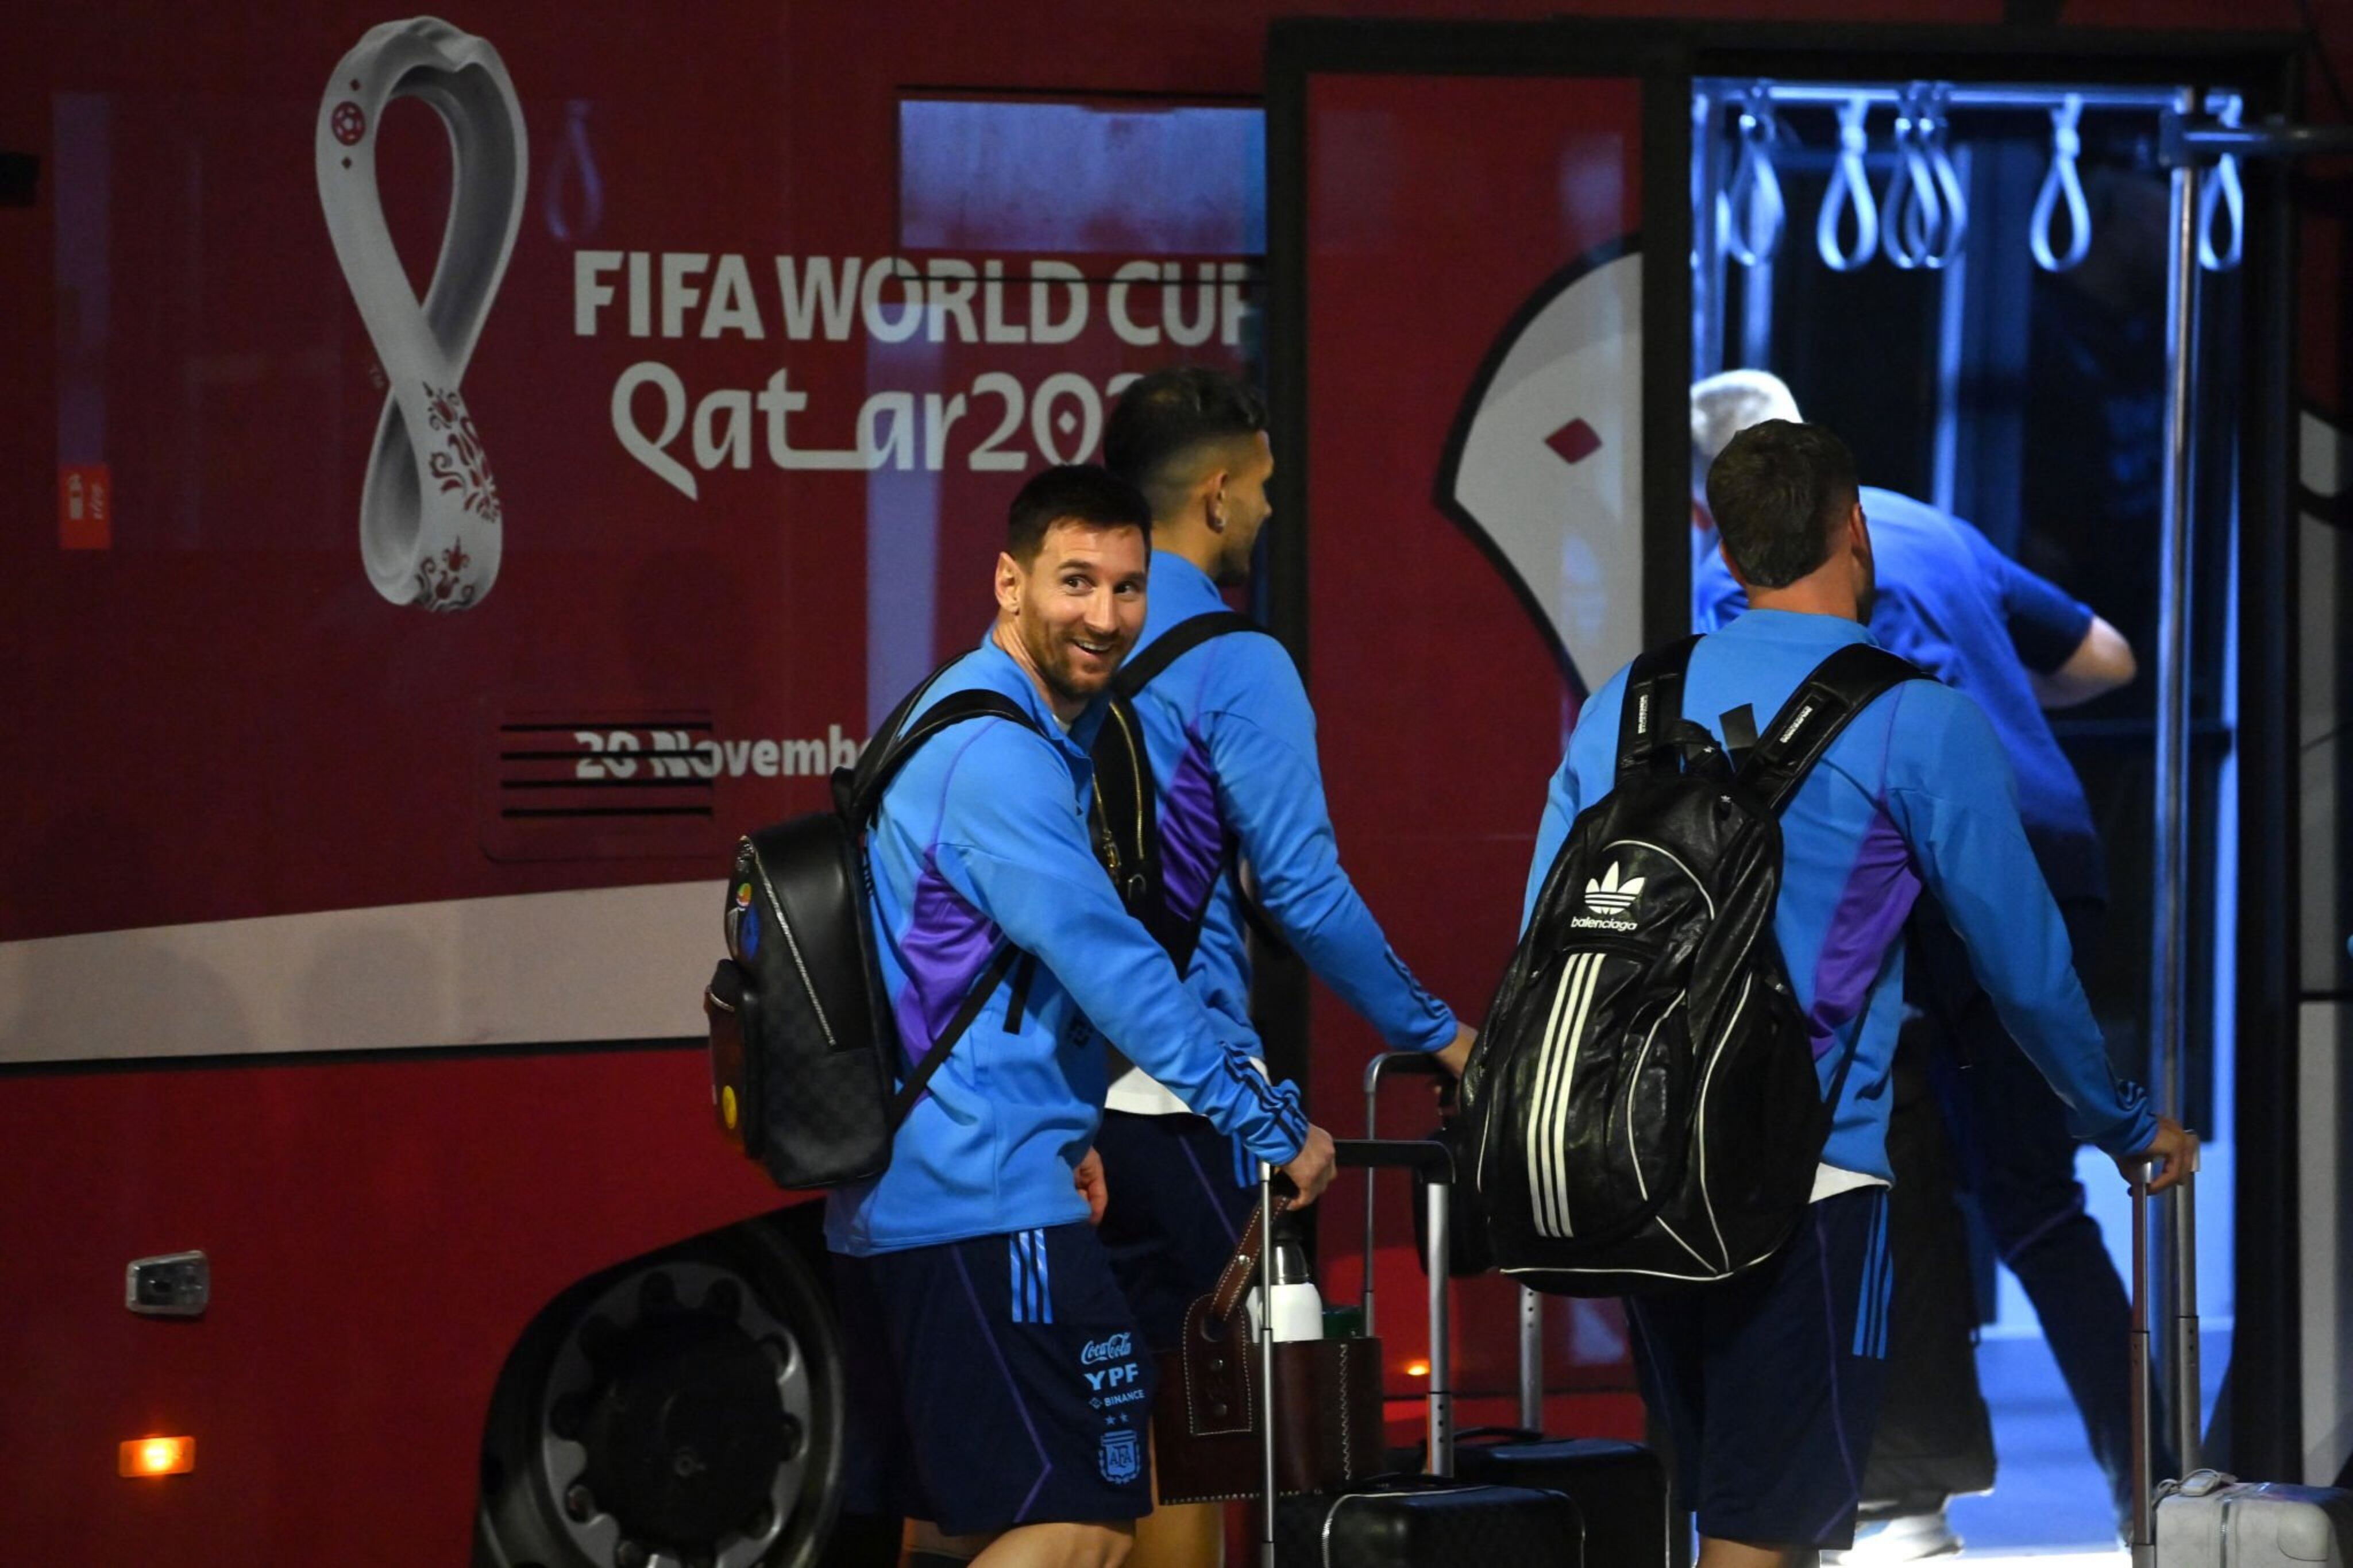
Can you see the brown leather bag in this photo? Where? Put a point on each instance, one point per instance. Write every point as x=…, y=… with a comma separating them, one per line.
x=1205, y=1416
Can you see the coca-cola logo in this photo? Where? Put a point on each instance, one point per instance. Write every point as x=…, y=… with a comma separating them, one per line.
x=1115, y=1348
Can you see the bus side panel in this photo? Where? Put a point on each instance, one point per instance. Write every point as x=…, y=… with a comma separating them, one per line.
x=379, y=1233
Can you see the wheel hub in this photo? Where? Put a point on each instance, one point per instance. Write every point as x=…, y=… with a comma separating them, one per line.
x=674, y=1426
x=687, y=1431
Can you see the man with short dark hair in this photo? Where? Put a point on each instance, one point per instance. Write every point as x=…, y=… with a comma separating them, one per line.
x=1232, y=743
x=999, y=1391
x=1950, y=602
x=1769, y=1383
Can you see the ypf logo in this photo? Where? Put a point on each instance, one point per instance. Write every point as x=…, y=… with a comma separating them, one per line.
x=430, y=525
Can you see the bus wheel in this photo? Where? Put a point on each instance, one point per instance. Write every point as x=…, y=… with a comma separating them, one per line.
x=680, y=1411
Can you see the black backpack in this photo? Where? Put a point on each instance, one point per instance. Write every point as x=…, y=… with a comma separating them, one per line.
x=805, y=1055
x=1125, y=818
x=1643, y=1110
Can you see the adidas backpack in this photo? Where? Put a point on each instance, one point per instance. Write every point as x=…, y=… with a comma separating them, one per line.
x=1642, y=1109
x=805, y=1055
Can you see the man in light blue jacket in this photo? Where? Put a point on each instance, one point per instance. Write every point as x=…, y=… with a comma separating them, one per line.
x=1000, y=1388
x=1770, y=1382
x=1231, y=740
x=1951, y=602
x=1232, y=743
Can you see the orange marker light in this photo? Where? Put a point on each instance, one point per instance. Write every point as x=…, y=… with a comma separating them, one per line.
x=1416, y=1369
x=156, y=1457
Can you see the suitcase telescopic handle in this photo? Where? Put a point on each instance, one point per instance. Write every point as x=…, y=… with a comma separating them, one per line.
x=1436, y=1162
x=1266, y=1361
x=1421, y=1064
x=1425, y=1064
x=2183, y=1218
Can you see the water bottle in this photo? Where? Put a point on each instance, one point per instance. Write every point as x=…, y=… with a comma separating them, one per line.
x=1298, y=1308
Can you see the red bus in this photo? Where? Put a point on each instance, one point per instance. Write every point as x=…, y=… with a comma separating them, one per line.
x=463, y=473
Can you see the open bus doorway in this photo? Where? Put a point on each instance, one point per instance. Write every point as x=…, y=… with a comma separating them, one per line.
x=1498, y=246
x=1969, y=282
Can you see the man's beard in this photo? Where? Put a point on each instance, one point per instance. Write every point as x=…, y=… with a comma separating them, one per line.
x=1054, y=662
x=1234, y=566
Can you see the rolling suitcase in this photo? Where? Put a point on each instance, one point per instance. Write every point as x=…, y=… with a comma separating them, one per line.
x=1620, y=1489
x=1407, y=1521
x=2208, y=1519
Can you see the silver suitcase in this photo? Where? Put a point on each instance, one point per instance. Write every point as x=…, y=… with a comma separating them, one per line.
x=2208, y=1519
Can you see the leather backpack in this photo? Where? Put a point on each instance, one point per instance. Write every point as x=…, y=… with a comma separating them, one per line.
x=806, y=1059
x=1642, y=1109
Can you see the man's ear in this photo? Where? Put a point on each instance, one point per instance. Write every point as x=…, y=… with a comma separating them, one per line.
x=1858, y=530
x=1723, y=553
x=1211, y=493
x=1008, y=583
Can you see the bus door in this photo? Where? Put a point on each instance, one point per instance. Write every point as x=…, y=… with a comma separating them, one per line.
x=1497, y=259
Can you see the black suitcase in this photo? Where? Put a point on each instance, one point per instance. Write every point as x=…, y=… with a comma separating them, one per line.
x=1620, y=1489
x=1410, y=1521
x=1424, y=1521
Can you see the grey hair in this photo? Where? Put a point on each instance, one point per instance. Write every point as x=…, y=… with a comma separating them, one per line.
x=1725, y=404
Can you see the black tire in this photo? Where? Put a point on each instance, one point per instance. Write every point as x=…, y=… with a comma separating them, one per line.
x=681, y=1410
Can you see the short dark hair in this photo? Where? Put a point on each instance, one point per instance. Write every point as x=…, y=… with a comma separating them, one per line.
x=1074, y=492
x=1166, y=418
x=1778, y=489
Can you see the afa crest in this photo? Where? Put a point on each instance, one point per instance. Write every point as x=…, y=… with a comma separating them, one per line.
x=1122, y=1460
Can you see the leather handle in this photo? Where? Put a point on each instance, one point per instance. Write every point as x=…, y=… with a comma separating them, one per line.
x=1235, y=1278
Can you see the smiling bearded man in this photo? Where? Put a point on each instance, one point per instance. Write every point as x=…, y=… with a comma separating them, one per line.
x=1070, y=607
x=999, y=1393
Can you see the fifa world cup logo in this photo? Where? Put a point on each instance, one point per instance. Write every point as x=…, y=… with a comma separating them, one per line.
x=430, y=526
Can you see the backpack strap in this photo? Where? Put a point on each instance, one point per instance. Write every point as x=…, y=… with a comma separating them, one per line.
x=1176, y=642
x=902, y=1104
x=858, y=792
x=1122, y=812
x=1841, y=687
x=1180, y=941
x=845, y=780
x=1653, y=702
x=1125, y=815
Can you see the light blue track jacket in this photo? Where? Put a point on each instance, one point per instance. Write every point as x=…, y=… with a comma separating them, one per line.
x=1978, y=621
x=1913, y=792
x=1232, y=744
x=982, y=840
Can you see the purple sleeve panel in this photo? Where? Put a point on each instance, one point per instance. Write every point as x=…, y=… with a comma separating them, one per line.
x=1192, y=831
x=945, y=947
x=1013, y=845
x=1949, y=787
x=1867, y=921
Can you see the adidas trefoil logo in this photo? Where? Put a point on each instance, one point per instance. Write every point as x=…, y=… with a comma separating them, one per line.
x=1610, y=896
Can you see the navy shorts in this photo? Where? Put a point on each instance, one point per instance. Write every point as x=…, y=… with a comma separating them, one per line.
x=1768, y=1384
x=1181, y=1195
x=994, y=1383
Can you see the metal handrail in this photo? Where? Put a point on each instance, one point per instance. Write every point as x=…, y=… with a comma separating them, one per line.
x=1966, y=96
